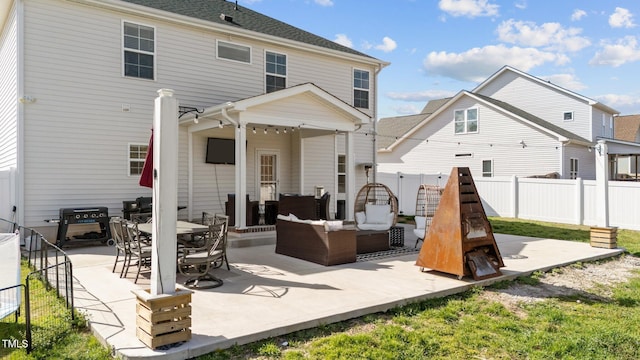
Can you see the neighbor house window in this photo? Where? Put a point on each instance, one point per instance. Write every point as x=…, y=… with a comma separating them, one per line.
x=466, y=121
x=567, y=116
x=139, y=50
x=276, y=71
x=487, y=168
x=137, y=154
x=361, y=89
x=235, y=52
x=573, y=168
x=342, y=174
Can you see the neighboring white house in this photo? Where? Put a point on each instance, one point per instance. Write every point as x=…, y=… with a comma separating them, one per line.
x=511, y=124
x=627, y=128
x=79, y=79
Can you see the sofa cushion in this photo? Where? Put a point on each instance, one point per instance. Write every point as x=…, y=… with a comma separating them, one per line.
x=334, y=225
x=377, y=214
x=376, y=227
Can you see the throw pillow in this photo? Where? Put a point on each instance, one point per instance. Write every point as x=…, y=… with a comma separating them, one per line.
x=333, y=225
x=421, y=222
x=377, y=214
x=361, y=217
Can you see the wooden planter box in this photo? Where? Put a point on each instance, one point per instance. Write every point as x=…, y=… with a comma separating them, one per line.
x=163, y=319
x=604, y=237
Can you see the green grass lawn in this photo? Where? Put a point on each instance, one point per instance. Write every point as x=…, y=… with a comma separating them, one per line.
x=462, y=326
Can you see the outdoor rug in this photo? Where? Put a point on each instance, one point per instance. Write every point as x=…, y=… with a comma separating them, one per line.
x=394, y=251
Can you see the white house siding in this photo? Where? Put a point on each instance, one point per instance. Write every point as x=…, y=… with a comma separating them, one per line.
x=9, y=93
x=497, y=139
x=77, y=133
x=545, y=102
x=598, y=128
x=586, y=162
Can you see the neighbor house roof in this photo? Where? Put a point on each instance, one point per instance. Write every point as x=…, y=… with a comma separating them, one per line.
x=547, y=83
x=390, y=129
x=394, y=124
x=627, y=128
x=242, y=18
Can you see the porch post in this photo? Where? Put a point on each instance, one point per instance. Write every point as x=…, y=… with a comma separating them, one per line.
x=165, y=193
x=602, y=184
x=351, y=175
x=241, y=176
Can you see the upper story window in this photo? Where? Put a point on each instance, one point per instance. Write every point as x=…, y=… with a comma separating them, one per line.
x=235, y=52
x=139, y=50
x=567, y=116
x=361, y=89
x=276, y=71
x=137, y=154
x=466, y=121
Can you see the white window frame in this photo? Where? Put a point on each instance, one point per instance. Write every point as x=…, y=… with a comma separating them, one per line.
x=573, y=168
x=466, y=121
x=490, y=173
x=218, y=41
x=267, y=74
x=341, y=173
x=123, y=49
x=367, y=89
x=564, y=116
x=131, y=160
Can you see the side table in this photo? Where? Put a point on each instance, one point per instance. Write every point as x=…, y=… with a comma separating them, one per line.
x=396, y=236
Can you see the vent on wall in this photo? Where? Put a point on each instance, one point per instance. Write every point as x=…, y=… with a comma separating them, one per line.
x=464, y=155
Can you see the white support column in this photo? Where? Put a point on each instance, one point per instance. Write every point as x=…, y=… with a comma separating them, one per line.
x=579, y=203
x=350, y=164
x=514, y=196
x=190, y=176
x=165, y=193
x=301, y=174
x=602, y=184
x=241, y=176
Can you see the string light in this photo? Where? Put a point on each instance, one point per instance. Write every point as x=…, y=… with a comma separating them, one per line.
x=254, y=129
x=220, y=125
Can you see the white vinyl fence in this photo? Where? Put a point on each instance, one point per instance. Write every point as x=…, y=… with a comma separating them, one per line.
x=7, y=193
x=552, y=200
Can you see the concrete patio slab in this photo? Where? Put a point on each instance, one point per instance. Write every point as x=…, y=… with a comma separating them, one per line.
x=266, y=294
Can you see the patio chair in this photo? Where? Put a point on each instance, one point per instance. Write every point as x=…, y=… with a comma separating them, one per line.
x=138, y=250
x=121, y=246
x=196, y=262
x=375, y=207
x=427, y=202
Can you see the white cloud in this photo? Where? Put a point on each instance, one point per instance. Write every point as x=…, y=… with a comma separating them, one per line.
x=406, y=109
x=626, y=104
x=567, y=81
x=551, y=36
x=343, y=40
x=621, y=18
x=420, y=95
x=578, y=14
x=477, y=64
x=388, y=45
x=324, y=2
x=521, y=4
x=623, y=51
x=469, y=8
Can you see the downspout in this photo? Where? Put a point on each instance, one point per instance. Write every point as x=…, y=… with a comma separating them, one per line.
x=19, y=177
x=375, y=128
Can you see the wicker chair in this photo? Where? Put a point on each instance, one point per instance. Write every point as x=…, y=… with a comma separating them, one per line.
x=427, y=201
x=376, y=194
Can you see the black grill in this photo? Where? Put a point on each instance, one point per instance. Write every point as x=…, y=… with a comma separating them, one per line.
x=84, y=216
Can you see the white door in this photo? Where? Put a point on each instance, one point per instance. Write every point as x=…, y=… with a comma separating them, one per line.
x=268, y=174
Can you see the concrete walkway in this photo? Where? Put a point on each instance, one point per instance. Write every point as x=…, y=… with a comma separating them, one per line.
x=266, y=294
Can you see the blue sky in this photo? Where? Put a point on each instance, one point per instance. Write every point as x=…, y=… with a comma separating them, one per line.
x=438, y=47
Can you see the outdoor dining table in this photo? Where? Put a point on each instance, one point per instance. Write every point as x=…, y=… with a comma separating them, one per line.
x=182, y=228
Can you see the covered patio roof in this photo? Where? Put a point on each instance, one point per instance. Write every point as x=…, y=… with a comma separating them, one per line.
x=305, y=107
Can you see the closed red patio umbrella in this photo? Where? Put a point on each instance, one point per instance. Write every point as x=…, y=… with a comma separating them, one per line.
x=146, y=178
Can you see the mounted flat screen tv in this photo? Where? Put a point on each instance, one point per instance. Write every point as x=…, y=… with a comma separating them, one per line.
x=221, y=151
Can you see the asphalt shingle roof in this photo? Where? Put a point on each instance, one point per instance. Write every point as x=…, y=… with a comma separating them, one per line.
x=244, y=18
x=627, y=127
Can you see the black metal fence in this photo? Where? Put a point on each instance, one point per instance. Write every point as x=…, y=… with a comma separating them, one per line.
x=48, y=305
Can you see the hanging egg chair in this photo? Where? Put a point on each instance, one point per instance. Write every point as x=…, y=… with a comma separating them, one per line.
x=427, y=202
x=376, y=194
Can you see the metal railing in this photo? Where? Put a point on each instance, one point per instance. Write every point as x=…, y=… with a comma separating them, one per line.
x=47, y=317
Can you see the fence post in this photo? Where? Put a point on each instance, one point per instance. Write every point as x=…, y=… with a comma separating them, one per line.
x=514, y=197
x=579, y=201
